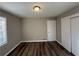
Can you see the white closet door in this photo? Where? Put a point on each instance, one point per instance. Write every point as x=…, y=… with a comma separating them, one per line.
x=75, y=35
x=65, y=33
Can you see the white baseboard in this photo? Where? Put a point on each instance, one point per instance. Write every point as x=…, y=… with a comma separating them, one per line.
x=12, y=48
x=63, y=46
x=35, y=41
x=59, y=42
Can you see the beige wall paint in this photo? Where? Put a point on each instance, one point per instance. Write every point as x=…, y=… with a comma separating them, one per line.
x=58, y=29
x=13, y=32
x=34, y=29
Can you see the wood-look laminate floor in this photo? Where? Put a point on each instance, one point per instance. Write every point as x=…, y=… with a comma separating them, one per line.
x=39, y=49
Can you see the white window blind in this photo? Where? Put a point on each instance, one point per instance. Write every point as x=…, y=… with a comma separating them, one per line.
x=3, y=32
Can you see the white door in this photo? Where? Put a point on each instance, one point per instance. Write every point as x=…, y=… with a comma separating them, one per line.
x=75, y=35
x=51, y=30
x=65, y=33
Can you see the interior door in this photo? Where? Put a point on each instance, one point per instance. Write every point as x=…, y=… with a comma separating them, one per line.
x=75, y=35
x=51, y=30
x=65, y=33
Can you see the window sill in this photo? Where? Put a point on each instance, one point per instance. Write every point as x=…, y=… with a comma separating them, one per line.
x=3, y=43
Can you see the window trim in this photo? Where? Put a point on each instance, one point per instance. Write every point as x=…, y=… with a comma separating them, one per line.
x=4, y=42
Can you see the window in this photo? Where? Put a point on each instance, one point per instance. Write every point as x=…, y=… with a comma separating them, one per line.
x=3, y=32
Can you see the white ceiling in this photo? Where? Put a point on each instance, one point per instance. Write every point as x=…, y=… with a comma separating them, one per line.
x=50, y=9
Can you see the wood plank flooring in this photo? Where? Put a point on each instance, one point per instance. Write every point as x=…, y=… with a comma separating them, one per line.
x=39, y=49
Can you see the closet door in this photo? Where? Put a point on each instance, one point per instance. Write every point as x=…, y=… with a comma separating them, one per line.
x=75, y=35
x=65, y=33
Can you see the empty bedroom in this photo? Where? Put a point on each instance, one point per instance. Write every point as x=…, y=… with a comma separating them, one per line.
x=39, y=28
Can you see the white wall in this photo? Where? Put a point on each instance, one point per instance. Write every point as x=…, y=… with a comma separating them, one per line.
x=34, y=29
